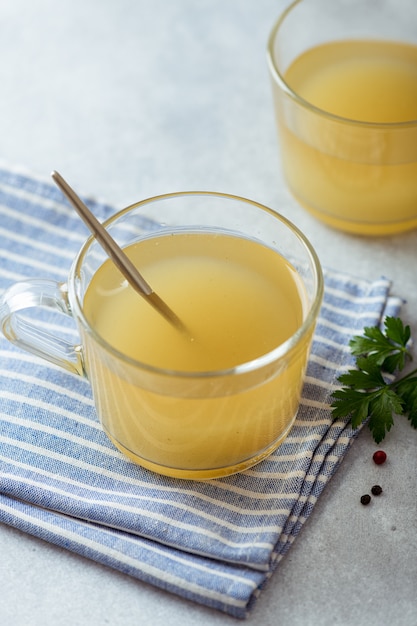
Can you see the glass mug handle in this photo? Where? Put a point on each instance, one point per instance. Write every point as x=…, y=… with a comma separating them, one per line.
x=26, y=334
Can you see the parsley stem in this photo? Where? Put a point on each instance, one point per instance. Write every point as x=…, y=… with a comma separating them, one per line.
x=404, y=378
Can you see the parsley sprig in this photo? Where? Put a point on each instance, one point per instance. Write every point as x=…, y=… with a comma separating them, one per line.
x=369, y=391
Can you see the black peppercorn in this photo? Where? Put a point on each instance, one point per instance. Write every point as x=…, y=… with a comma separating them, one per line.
x=365, y=499
x=376, y=490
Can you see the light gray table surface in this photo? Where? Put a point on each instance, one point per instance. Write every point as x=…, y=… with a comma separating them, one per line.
x=131, y=98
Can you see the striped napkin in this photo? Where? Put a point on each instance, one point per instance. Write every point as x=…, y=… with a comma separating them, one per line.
x=214, y=542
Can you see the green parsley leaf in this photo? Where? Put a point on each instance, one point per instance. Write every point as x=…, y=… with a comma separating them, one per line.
x=381, y=410
x=396, y=331
x=408, y=391
x=389, y=349
x=351, y=402
x=367, y=392
x=367, y=376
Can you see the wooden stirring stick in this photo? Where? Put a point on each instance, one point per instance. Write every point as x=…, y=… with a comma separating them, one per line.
x=120, y=259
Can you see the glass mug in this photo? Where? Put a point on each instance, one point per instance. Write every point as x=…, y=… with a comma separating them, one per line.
x=222, y=396
x=344, y=78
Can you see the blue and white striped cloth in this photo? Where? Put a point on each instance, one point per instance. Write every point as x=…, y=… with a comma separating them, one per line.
x=214, y=542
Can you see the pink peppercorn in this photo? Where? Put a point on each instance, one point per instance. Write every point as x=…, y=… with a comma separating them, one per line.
x=379, y=457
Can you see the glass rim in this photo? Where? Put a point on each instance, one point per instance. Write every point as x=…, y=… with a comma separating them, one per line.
x=242, y=368
x=280, y=80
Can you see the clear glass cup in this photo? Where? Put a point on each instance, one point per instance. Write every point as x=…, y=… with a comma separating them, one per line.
x=344, y=76
x=193, y=424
